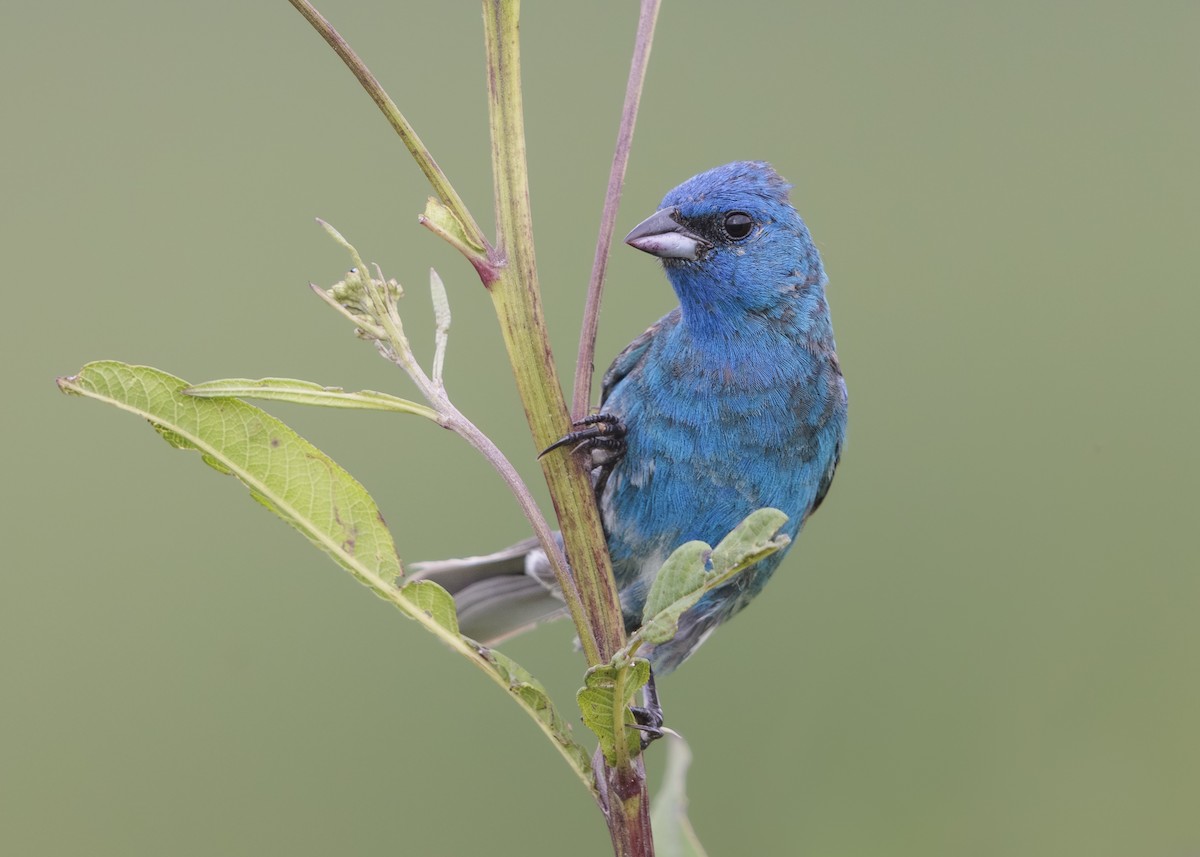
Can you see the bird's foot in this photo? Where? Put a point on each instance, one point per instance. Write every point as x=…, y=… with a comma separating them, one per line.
x=648, y=718
x=595, y=432
x=648, y=722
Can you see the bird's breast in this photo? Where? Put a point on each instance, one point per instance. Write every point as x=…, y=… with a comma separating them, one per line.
x=711, y=440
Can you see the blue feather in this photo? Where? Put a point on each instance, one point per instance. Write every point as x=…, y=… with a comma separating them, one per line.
x=732, y=402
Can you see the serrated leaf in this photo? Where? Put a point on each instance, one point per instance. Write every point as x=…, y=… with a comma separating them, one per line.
x=676, y=588
x=599, y=705
x=307, y=393
x=673, y=833
x=283, y=471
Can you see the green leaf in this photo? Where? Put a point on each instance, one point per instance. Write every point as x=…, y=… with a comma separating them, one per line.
x=441, y=221
x=535, y=699
x=434, y=601
x=307, y=393
x=284, y=472
x=752, y=539
x=694, y=569
x=673, y=833
x=600, y=700
x=676, y=588
x=302, y=485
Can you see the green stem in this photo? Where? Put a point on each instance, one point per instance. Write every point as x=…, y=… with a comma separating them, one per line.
x=509, y=271
x=441, y=185
x=518, y=305
x=622, y=789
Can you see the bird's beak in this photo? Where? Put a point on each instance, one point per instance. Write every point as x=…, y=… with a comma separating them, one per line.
x=662, y=235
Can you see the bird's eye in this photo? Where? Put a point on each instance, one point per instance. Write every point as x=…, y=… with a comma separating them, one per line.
x=738, y=225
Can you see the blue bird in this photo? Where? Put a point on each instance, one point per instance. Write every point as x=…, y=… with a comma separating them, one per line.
x=731, y=402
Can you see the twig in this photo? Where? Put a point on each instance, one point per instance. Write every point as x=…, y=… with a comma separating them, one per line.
x=510, y=274
x=585, y=362
x=518, y=307
x=386, y=328
x=441, y=185
x=488, y=267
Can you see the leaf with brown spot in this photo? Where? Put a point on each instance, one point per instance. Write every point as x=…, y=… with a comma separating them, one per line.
x=284, y=472
x=302, y=485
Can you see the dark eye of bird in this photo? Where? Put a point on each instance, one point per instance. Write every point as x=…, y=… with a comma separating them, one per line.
x=738, y=225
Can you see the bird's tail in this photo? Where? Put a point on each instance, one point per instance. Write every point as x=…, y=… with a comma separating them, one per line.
x=498, y=595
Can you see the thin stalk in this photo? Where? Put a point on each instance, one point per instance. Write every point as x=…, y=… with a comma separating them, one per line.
x=586, y=360
x=488, y=266
x=393, y=344
x=622, y=790
x=510, y=274
x=437, y=179
x=522, y=323
x=483, y=444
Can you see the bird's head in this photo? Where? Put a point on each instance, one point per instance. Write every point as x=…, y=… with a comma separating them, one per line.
x=730, y=241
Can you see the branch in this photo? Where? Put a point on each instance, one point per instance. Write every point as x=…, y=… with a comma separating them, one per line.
x=304, y=487
x=585, y=363
x=371, y=304
x=441, y=185
x=509, y=272
x=522, y=323
x=623, y=795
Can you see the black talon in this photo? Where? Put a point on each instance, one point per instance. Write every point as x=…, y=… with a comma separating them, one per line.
x=648, y=717
x=597, y=431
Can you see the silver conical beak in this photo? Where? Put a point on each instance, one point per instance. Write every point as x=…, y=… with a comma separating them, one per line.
x=662, y=235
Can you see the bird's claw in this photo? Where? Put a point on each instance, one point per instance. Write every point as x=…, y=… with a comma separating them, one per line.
x=597, y=431
x=648, y=718
x=649, y=722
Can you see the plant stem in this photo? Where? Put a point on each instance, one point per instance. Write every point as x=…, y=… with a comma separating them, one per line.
x=585, y=363
x=510, y=274
x=483, y=444
x=624, y=798
x=522, y=324
x=441, y=185
x=488, y=273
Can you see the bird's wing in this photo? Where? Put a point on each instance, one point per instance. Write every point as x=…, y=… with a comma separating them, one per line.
x=826, y=481
x=633, y=354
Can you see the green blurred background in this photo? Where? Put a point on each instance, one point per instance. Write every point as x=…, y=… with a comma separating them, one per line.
x=985, y=644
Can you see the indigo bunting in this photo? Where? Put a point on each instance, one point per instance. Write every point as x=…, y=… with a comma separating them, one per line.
x=731, y=402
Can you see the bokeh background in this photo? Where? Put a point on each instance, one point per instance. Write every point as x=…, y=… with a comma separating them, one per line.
x=986, y=642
